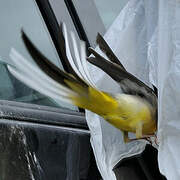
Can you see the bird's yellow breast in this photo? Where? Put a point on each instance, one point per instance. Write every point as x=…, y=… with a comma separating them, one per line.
x=131, y=111
x=123, y=111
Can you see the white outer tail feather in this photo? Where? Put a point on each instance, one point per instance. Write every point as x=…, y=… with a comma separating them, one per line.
x=79, y=64
x=84, y=62
x=31, y=83
x=68, y=52
x=77, y=56
x=36, y=79
x=25, y=66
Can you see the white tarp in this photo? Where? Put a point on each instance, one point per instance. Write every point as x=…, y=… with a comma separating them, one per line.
x=146, y=38
x=169, y=88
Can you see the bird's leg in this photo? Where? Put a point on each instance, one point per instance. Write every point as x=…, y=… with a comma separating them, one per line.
x=138, y=135
x=125, y=137
x=139, y=130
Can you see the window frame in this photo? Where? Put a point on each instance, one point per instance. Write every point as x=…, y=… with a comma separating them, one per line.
x=53, y=27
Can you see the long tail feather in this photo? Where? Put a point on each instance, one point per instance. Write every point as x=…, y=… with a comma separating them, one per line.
x=77, y=56
x=80, y=60
x=107, y=50
x=84, y=62
x=68, y=52
x=62, y=47
x=76, y=63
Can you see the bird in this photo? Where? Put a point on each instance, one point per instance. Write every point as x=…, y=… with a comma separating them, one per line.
x=134, y=110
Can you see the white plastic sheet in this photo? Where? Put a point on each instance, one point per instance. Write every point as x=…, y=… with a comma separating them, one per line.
x=130, y=37
x=146, y=38
x=169, y=88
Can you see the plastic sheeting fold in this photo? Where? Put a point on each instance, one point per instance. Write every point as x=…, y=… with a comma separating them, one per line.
x=169, y=88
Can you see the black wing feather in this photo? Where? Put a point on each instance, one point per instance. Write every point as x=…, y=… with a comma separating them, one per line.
x=107, y=50
x=128, y=82
x=46, y=65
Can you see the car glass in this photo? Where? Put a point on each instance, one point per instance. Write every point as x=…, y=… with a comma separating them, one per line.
x=16, y=15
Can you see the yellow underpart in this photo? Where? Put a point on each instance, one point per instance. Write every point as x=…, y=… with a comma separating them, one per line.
x=125, y=112
x=92, y=99
x=133, y=111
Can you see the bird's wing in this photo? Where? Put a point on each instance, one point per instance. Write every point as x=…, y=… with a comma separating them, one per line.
x=128, y=82
x=113, y=69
